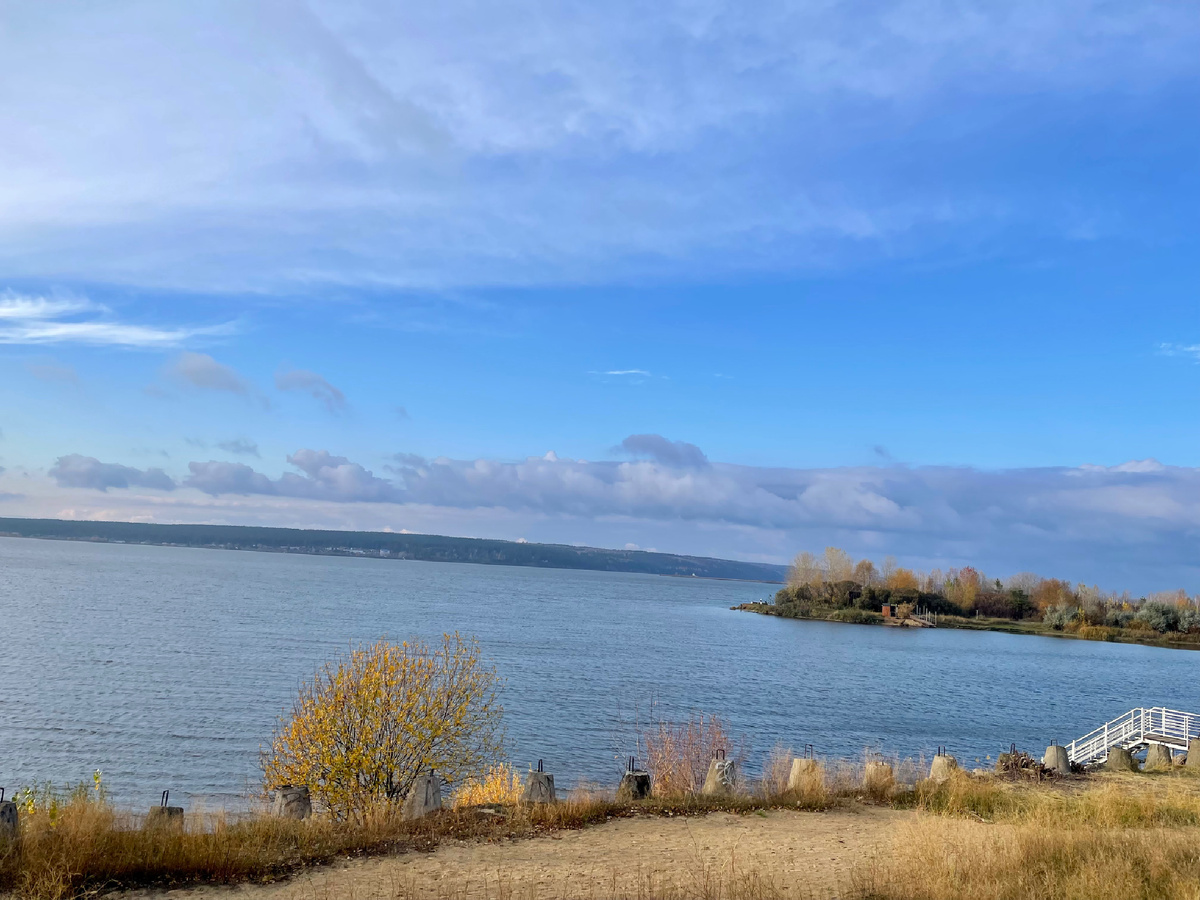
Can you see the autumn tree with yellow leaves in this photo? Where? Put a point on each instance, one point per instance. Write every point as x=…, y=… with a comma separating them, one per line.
x=368, y=724
x=828, y=585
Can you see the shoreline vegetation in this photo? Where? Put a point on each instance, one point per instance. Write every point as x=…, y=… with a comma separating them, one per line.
x=833, y=587
x=391, y=545
x=1015, y=833
x=360, y=764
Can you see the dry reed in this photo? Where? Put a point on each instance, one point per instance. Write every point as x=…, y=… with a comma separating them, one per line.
x=1117, y=836
x=776, y=771
x=677, y=754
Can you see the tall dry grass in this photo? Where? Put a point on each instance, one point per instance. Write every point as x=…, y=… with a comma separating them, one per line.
x=88, y=845
x=776, y=771
x=1130, y=801
x=1019, y=840
x=678, y=754
x=501, y=784
x=939, y=860
x=82, y=845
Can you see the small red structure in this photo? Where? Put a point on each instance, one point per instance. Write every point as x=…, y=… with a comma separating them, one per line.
x=888, y=610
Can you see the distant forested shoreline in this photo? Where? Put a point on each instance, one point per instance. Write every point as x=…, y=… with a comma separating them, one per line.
x=389, y=545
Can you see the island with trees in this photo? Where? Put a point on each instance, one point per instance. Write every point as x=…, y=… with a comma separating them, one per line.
x=834, y=587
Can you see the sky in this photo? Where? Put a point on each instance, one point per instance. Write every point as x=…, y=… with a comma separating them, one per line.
x=910, y=278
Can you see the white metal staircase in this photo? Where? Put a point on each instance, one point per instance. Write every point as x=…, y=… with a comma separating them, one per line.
x=1136, y=729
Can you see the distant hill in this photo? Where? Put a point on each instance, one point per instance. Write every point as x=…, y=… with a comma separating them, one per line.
x=428, y=547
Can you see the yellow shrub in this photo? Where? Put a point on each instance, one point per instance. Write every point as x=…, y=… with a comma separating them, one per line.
x=499, y=784
x=363, y=730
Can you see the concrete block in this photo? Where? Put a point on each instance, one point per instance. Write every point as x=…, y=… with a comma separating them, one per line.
x=942, y=768
x=424, y=797
x=1119, y=760
x=1057, y=760
x=634, y=785
x=539, y=788
x=9, y=819
x=165, y=817
x=804, y=773
x=292, y=802
x=1193, y=754
x=878, y=776
x=1157, y=757
x=721, y=780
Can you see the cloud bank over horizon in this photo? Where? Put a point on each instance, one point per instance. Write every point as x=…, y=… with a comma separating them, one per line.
x=1138, y=520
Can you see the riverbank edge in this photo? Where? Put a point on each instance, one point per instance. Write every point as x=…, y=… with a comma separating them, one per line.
x=1005, y=626
x=1090, y=806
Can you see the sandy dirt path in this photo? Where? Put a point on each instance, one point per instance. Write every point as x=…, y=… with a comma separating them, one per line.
x=804, y=854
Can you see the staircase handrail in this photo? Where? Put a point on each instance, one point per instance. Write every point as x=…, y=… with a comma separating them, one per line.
x=1131, y=729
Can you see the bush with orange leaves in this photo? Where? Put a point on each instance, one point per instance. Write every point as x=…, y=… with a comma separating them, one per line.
x=369, y=723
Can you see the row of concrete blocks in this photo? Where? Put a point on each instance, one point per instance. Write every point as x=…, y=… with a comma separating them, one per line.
x=1158, y=756
x=423, y=798
x=720, y=781
x=10, y=817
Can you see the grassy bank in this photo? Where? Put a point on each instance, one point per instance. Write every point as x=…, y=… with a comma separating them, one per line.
x=973, y=837
x=853, y=616
x=84, y=845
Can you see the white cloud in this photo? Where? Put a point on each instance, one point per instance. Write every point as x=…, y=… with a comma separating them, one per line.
x=28, y=319
x=202, y=371
x=26, y=308
x=1095, y=522
x=239, y=447
x=53, y=372
x=79, y=471
x=314, y=385
x=277, y=144
x=326, y=477
x=663, y=450
x=1191, y=351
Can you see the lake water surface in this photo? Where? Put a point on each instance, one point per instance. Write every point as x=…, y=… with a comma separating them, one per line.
x=166, y=667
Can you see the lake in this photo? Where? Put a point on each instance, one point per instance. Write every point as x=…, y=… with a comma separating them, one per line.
x=167, y=667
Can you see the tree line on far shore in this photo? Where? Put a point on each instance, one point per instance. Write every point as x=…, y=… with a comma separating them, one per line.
x=835, y=580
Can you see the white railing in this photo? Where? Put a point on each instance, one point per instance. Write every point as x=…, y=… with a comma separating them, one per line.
x=1156, y=725
x=925, y=616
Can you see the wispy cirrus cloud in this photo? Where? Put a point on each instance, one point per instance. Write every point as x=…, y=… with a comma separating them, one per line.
x=239, y=447
x=199, y=370
x=454, y=143
x=312, y=384
x=28, y=319
x=53, y=372
x=622, y=376
x=1191, y=351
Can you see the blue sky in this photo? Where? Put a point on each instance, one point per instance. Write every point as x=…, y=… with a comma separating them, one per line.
x=897, y=276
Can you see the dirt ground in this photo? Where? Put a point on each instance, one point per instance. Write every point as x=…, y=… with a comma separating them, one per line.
x=803, y=854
